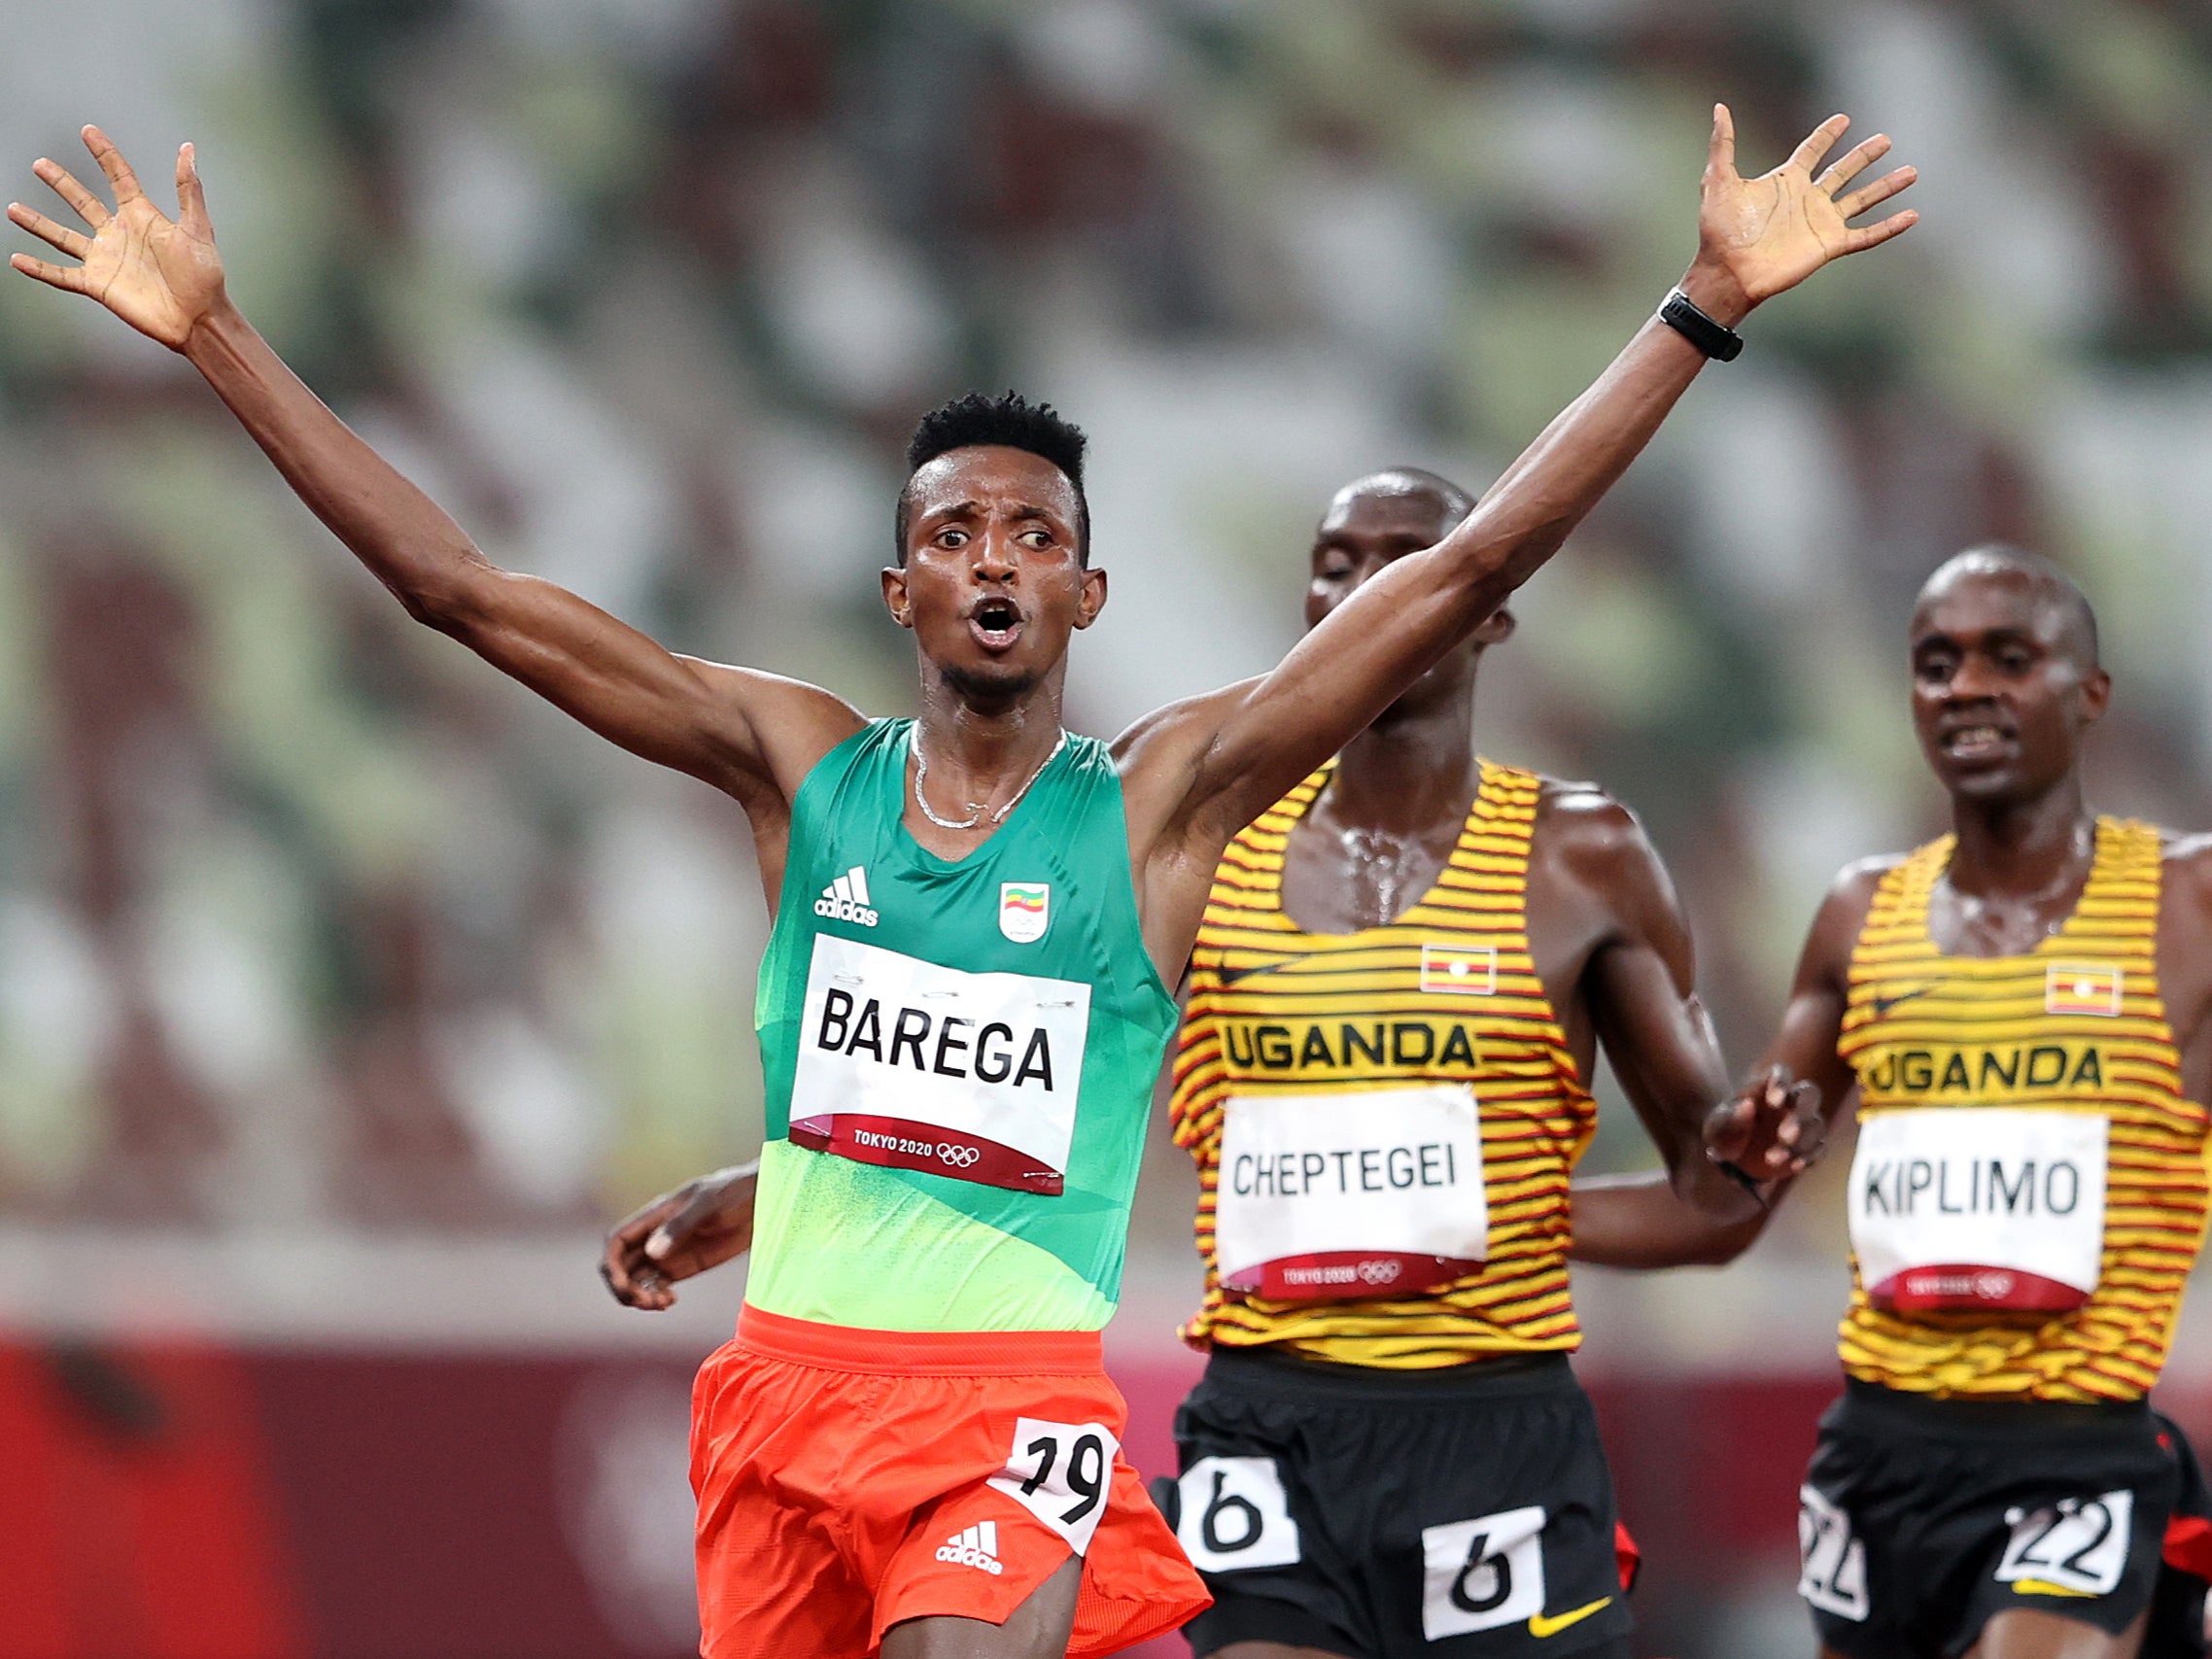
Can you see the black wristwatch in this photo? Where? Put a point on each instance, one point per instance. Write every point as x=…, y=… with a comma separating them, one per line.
x=1717, y=340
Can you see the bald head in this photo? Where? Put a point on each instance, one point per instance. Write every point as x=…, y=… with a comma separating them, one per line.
x=2054, y=593
x=1411, y=485
x=1370, y=524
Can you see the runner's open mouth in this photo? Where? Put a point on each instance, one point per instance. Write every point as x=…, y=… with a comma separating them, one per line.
x=995, y=620
x=1982, y=737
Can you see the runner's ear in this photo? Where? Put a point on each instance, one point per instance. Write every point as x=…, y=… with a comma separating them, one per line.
x=1093, y=599
x=2097, y=693
x=1496, y=627
x=895, y=598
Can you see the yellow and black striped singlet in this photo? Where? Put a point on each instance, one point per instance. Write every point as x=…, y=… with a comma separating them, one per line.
x=1273, y=1009
x=2076, y=1024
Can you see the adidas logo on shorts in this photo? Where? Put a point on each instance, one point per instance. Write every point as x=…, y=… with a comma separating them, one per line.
x=976, y=1546
x=846, y=899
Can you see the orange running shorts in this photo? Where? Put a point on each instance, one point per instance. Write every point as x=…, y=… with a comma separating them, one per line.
x=850, y=1479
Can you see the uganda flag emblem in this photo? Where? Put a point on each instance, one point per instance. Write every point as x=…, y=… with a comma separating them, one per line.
x=1024, y=910
x=1460, y=970
x=2081, y=987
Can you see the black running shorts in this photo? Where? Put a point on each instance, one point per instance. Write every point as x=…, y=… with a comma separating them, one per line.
x=1462, y=1515
x=2176, y=1630
x=1923, y=1519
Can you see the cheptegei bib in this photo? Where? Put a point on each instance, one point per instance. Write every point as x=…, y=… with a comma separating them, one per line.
x=1357, y=1194
x=913, y=1065
x=1978, y=1209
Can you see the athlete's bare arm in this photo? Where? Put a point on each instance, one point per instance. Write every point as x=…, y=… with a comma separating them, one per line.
x=752, y=735
x=1197, y=773
x=1771, y=1147
x=1613, y=947
x=704, y=1223
x=2185, y=957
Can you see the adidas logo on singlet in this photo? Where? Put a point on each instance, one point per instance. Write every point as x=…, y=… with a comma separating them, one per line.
x=846, y=899
x=974, y=1547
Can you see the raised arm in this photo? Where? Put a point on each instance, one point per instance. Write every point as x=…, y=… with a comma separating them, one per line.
x=752, y=735
x=1227, y=757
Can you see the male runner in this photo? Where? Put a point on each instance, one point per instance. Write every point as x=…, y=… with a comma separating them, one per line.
x=911, y=1447
x=1569, y=892
x=1402, y=972
x=2019, y=1011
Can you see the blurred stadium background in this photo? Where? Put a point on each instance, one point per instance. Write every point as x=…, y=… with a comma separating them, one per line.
x=345, y=994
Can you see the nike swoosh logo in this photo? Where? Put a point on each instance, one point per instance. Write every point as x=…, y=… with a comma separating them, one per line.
x=1238, y=976
x=1541, y=1625
x=2044, y=1587
x=1884, y=1004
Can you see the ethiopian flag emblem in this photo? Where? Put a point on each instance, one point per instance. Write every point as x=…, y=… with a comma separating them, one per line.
x=1024, y=908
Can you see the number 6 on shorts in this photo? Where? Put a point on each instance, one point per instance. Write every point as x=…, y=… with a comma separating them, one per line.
x=1233, y=1514
x=1060, y=1472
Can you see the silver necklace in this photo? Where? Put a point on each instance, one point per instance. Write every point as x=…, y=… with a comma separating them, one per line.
x=921, y=771
x=1975, y=909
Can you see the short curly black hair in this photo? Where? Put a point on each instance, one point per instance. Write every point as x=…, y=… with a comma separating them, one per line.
x=1010, y=420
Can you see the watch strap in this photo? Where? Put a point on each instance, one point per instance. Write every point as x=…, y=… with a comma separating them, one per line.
x=1715, y=339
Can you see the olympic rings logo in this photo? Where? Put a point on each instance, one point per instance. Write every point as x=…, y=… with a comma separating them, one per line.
x=1380, y=1272
x=958, y=1157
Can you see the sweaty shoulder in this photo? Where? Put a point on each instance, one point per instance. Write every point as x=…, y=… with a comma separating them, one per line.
x=1582, y=819
x=1159, y=756
x=792, y=723
x=1864, y=875
x=2186, y=867
x=1844, y=909
x=2187, y=859
x=2184, y=965
x=1587, y=835
x=1593, y=869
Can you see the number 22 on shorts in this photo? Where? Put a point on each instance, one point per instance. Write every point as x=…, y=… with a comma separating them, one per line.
x=2077, y=1547
x=1832, y=1569
x=1060, y=1472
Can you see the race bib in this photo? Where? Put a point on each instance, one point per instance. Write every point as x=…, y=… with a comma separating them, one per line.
x=1061, y=1473
x=2077, y=1547
x=1831, y=1561
x=915, y=1066
x=1482, y=1574
x=1957, y=1209
x=1233, y=1513
x=1363, y=1194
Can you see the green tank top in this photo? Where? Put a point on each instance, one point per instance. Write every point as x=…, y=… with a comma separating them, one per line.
x=959, y=1054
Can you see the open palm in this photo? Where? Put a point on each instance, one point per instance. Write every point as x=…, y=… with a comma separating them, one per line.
x=159, y=275
x=1772, y=232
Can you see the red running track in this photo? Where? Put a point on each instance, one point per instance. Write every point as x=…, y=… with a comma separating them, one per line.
x=168, y=1501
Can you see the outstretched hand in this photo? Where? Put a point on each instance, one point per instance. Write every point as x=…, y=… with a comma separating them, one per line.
x=1773, y=1129
x=159, y=275
x=1757, y=237
x=701, y=1224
